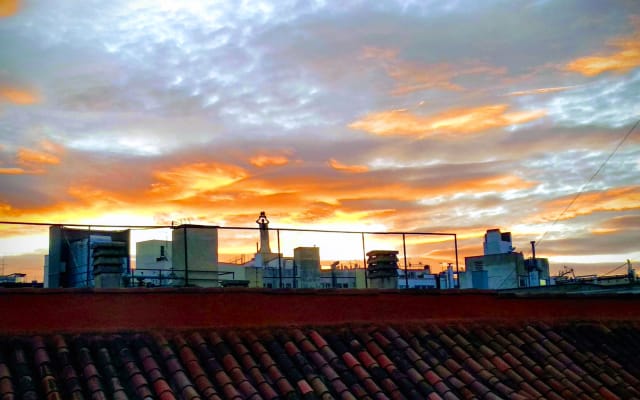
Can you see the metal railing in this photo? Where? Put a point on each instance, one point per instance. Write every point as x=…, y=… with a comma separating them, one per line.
x=190, y=271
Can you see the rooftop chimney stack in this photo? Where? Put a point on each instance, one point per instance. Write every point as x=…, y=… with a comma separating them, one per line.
x=382, y=267
x=263, y=223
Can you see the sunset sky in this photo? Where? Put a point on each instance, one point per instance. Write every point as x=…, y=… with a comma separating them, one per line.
x=432, y=116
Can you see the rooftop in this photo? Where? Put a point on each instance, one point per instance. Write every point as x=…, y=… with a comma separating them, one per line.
x=249, y=344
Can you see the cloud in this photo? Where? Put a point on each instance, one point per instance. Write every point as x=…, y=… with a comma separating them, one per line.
x=192, y=179
x=12, y=171
x=540, y=91
x=605, y=245
x=18, y=96
x=206, y=135
x=335, y=164
x=9, y=8
x=415, y=76
x=33, y=160
x=626, y=58
x=620, y=223
x=31, y=157
x=609, y=102
x=266, y=160
x=470, y=120
x=616, y=199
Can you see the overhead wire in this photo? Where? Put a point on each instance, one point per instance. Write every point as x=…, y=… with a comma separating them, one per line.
x=616, y=268
x=584, y=186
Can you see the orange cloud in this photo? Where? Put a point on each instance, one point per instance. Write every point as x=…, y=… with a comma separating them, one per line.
x=335, y=164
x=8, y=8
x=263, y=160
x=618, y=199
x=540, y=91
x=18, y=96
x=29, y=157
x=626, y=58
x=414, y=76
x=188, y=180
x=470, y=120
x=12, y=171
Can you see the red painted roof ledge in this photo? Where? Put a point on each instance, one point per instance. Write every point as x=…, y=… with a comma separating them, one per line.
x=48, y=311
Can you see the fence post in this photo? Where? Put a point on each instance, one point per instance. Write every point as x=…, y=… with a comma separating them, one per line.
x=279, y=259
x=455, y=241
x=88, y=255
x=364, y=259
x=406, y=273
x=186, y=257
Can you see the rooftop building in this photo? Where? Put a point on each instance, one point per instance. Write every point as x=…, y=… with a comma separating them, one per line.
x=502, y=268
x=496, y=242
x=70, y=262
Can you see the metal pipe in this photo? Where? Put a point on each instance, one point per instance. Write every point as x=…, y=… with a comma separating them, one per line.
x=279, y=259
x=364, y=259
x=455, y=242
x=88, y=255
x=186, y=257
x=533, y=251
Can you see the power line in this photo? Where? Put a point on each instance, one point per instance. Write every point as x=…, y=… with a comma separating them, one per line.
x=615, y=150
x=616, y=268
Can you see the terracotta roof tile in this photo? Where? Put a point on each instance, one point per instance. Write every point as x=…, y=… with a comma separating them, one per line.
x=419, y=361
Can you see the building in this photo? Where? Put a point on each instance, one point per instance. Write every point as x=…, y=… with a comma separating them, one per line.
x=417, y=278
x=71, y=261
x=496, y=242
x=17, y=280
x=343, y=276
x=154, y=264
x=382, y=269
x=195, y=255
x=501, y=268
x=12, y=278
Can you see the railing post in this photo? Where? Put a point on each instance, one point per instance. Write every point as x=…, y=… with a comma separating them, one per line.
x=279, y=259
x=364, y=260
x=406, y=273
x=455, y=241
x=86, y=284
x=186, y=257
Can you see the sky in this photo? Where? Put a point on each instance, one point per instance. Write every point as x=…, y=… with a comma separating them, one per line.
x=416, y=116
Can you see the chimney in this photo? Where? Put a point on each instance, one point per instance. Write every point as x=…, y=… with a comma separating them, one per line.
x=263, y=223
